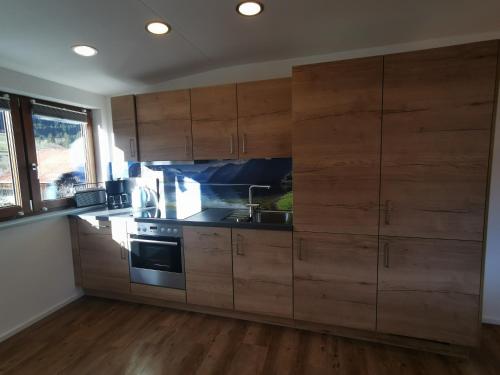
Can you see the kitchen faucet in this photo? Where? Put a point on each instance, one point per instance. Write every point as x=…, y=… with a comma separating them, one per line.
x=254, y=207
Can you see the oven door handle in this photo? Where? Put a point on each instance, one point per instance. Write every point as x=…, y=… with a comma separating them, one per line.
x=168, y=243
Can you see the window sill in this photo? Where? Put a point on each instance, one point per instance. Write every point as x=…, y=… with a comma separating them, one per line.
x=45, y=216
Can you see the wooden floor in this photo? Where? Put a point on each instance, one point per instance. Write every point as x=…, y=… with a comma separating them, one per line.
x=98, y=336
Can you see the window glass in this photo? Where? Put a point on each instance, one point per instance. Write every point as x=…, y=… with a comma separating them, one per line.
x=61, y=149
x=8, y=168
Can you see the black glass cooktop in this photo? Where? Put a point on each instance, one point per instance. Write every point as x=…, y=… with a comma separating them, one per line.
x=169, y=213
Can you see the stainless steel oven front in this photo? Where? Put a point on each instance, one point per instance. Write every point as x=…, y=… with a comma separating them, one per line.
x=156, y=255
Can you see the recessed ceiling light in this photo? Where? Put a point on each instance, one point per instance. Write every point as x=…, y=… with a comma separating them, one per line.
x=158, y=28
x=85, y=51
x=249, y=8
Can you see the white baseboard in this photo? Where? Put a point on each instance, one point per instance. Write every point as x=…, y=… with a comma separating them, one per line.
x=11, y=332
x=491, y=320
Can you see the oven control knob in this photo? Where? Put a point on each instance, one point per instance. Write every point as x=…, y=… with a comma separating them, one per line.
x=169, y=230
x=175, y=230
x=162, y=229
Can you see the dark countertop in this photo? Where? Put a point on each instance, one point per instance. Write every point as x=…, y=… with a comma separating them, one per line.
x=210, y=217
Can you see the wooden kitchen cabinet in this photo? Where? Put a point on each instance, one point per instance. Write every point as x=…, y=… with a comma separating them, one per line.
x=103, y=256
x=164, y=126
x=336, y=146
x=437, y=118
x=124, y=126
x=335, y=279
x=265, y=119
x=430, y=289
x=215, y=128
x=209, y=266
x=262, y=269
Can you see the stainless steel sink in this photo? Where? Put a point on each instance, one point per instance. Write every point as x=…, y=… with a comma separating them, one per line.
x=261, y=217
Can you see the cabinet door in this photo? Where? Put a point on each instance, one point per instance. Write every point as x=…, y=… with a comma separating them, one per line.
x=209, y=266
x=262, y=262
x=336, y=146
x=265, y=119
x=103, y=256
x=164, y=126
x=215, y=132
x=124, y=126
x=430, y=289
x=438, y=108
x=335, y=279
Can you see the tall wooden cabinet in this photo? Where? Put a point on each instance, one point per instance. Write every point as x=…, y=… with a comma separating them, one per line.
x=164, y=126
x=337, y=110
x=265, y=119
x=215, y=126
x=438, y=113
x=438, y=108
x=124, y=126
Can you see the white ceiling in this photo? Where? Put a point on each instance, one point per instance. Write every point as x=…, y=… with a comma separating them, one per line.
x=36, y=35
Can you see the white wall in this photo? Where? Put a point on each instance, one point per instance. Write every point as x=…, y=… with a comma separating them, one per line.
x=36, y=273
x=36, y=269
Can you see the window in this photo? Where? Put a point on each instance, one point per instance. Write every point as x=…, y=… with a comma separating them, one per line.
x=45, y=150
x=8, y=166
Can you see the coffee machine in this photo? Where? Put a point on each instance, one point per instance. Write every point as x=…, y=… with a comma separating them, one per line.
x=118, y=193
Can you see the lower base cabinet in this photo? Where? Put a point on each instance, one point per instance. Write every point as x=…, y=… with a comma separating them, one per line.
x=209, y=266
x=335, y=279
x=158, y=292
x=103, y=256
x=430, y=289
x=262, y=268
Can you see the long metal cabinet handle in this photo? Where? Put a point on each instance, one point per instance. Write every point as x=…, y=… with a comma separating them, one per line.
x=386, y=255
x=231, y=144
x=244, y=146
x=387, y=212
x=168, y=243
x=239, y=248
x=132, y=147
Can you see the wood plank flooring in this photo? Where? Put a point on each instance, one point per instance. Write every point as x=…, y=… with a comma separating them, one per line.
x=99, y=336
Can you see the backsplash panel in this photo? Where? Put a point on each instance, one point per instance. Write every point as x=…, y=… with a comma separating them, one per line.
x=222, y=183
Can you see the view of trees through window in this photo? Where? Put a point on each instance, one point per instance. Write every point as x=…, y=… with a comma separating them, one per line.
x=61, y=155
x=7, y=192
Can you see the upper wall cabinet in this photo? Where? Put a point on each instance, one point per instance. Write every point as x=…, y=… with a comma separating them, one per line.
x=438, y=111
x=164, y=125
x=264, y=119
x=336, y=146
x=124, y=126
x=215, y=129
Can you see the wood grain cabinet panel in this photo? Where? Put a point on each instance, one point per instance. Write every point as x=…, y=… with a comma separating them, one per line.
x=437, y=116
x=164, y=126
x=103, y=256
x=265, y=119
x=209, y=266
x=262, y=268
x=124, y=126
x=336, y=146
x=335, y=279
x=215, y=127
x=430, y=289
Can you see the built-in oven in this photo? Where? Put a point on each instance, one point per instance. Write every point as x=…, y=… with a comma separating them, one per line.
x=156, y=255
